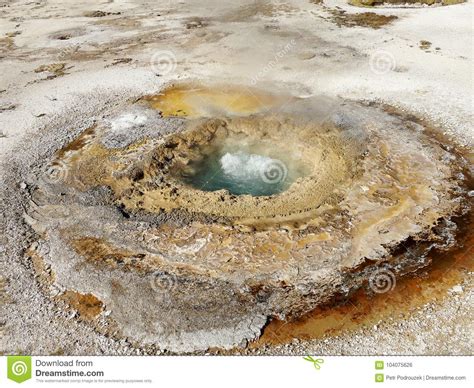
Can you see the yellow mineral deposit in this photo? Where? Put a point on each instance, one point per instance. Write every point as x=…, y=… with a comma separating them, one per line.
x=196, y=100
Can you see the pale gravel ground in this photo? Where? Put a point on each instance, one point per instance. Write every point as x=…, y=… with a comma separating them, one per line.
x=437, y=328
x=435, y=85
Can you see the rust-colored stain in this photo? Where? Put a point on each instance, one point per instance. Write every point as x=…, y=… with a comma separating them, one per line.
x=410, y=293
x=77, y=143
x=87, y=305
x=100, y=252
x=45, y=277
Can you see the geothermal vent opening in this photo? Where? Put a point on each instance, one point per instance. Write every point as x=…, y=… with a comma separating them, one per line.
x=244, y=168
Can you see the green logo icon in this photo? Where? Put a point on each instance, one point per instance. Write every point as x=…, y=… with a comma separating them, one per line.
x=19, y=368
x=316, y=361
x=379, y=378
x=378, y=364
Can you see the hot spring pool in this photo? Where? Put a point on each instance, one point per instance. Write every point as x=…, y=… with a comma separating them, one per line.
x=241, y=171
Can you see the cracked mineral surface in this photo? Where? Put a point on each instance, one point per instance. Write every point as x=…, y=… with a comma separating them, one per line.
x=209, y=268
